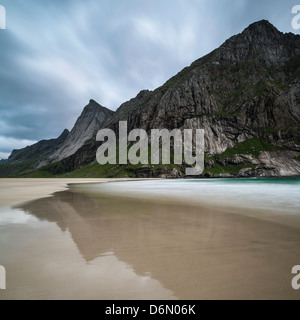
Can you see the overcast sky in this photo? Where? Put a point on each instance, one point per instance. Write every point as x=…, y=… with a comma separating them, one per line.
x=56, y=55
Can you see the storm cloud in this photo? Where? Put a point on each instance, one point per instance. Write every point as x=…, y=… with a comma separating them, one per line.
x=56, y=55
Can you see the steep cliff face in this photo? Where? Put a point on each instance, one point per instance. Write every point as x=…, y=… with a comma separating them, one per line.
x=48, y=151
x=90, y=121
x=245, y=95
x=248, y=88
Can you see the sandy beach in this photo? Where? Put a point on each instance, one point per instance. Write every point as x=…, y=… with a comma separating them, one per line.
x=81, y=245
x=14, y=191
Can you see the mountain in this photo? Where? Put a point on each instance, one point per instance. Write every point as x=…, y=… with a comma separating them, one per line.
x=245, y=95
x=24, y=159
x=38, y=150
x=47, y=151
x=247, y=86
x=87, y=125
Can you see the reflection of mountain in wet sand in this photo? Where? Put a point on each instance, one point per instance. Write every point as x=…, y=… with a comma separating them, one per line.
x=196, y=253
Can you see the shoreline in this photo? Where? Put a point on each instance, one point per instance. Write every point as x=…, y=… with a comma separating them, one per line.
x=14, y=191
x=282, y=217
x=127, y=248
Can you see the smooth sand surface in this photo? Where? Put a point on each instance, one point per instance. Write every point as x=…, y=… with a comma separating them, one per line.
x=77, y=245
x=14, y=191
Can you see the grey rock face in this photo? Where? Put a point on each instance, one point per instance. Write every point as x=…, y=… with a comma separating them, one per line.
x=283, y=163
x=260, y=42
x=38, y=150
x=87, y=125
x=248, y=88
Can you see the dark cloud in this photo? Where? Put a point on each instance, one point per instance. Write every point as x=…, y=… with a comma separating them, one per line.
x=56, y=55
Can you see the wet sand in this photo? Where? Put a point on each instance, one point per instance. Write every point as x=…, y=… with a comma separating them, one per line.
x=77, y=245
x=14, y=191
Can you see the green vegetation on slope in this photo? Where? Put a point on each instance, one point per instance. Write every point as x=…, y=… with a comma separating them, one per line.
x=15, y=170
x=252, y=147
x=95, y=170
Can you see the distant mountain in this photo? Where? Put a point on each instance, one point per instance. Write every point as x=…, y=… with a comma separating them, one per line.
x=26, y=159
x=87, y=125
x=245, y=95
x=38, y=150
x=48, y=151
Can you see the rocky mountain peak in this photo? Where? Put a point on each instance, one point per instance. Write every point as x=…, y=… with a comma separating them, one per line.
x=262, y=28
x=244, y=94
x=90, y=121
x=92, y=106
x=64, y=135
x=261, y=43
x=92, y=112
x=142, y=93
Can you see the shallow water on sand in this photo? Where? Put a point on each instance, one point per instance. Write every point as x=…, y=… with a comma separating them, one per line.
x=276, y=194
x=83, y=245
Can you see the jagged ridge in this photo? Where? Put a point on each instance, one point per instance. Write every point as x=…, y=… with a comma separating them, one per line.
x=245, y=92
